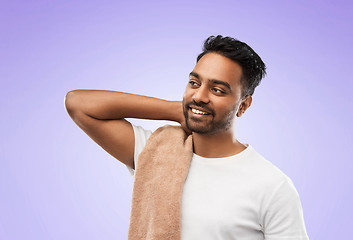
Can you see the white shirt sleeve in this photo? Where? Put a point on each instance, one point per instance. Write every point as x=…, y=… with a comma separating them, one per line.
x=283, y=216
x=141, y=137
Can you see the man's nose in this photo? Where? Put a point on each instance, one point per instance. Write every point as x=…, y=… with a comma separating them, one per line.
x=201, y=95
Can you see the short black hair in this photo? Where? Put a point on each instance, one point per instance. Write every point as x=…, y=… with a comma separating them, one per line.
x=253, y=67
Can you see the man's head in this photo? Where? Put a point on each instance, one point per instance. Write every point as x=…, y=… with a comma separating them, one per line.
x=253, y=67
x=221, y=85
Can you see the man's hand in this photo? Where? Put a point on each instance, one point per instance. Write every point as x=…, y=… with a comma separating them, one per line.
x=181, y=119
x=186, y=129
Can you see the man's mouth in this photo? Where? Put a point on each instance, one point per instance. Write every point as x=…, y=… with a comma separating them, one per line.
x=196, y=111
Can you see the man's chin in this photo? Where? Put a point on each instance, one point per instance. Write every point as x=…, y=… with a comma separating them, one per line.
x=198, y=128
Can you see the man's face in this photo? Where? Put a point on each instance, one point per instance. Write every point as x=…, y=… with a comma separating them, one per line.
x=213, y=94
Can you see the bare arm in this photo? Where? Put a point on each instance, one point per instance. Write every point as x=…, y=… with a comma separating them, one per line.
x=100, y=114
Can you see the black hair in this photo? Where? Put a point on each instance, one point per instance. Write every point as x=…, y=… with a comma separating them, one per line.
x=253, y=67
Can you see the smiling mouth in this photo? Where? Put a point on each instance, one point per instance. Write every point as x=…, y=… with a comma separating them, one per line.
x=199, y=112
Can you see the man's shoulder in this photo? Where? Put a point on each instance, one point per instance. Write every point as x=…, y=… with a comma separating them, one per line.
x=264, y=170
x=139, y=130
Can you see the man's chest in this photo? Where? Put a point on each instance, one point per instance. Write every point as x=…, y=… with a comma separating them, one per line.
x=217, y=201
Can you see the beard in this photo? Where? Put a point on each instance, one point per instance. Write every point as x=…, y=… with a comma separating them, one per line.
x=210, y=125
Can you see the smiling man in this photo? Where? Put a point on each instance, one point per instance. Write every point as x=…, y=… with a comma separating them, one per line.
x=212, y=100
x=231, y=191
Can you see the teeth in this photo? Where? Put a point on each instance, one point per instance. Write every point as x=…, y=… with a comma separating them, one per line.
x=198, y=111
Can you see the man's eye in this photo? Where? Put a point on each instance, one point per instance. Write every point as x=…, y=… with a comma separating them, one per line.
x=218, y=91
x=192, y=83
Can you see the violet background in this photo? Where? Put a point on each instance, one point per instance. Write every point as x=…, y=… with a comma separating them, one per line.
x=56, y=183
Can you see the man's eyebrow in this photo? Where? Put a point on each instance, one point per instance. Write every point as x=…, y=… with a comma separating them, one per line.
x=214, y=81
x=194, y=74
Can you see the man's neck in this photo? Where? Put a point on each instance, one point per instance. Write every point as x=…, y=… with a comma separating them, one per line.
x=218, y=145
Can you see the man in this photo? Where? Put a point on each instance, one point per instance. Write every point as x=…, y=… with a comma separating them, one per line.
x=231, y=191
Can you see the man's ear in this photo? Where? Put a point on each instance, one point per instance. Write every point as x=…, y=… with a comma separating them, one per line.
x=244, y=104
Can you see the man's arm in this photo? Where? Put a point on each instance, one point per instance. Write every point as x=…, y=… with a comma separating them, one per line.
x=100, y=114
x=283, y=217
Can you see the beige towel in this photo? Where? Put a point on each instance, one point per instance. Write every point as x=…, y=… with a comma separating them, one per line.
x=160, y=174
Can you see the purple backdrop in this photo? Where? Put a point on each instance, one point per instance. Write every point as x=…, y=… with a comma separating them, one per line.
x=56, y=183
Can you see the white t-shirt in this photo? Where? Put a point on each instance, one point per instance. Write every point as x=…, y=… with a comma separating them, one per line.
x=241, y=197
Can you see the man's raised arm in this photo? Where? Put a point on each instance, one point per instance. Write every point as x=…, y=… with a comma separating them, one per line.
x=100, y=114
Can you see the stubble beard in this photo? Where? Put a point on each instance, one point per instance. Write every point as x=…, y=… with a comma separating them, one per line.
x=211, y=127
